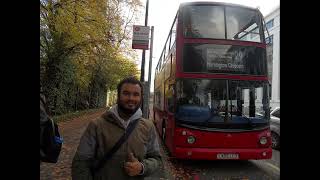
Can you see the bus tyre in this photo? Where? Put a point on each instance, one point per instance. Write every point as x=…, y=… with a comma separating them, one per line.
x=275, y=140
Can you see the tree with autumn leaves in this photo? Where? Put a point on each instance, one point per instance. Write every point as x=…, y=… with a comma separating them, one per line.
x=85, y=50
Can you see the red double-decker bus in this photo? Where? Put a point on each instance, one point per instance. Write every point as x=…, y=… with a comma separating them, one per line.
x=211, y=92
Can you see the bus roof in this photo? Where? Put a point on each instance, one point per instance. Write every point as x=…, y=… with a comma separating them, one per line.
x=215, y=3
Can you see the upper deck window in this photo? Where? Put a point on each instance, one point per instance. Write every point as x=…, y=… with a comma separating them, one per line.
x=204, y=22
x=219, y=22
x=243, y=24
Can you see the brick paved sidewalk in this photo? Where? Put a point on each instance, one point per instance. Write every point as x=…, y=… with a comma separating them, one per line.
x=71, y=132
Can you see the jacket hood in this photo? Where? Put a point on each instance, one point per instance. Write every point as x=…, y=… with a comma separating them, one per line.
x=135, y=116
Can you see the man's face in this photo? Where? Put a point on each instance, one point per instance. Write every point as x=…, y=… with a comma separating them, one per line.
x=130, y=97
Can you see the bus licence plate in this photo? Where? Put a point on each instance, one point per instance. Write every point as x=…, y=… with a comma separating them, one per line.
x=227, y=156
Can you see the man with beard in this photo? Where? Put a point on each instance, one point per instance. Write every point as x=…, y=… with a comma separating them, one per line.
x=136, y=158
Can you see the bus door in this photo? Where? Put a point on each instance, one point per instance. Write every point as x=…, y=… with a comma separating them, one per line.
x=169, y=114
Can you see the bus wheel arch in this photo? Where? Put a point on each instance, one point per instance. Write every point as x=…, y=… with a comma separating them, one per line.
x=275, y=140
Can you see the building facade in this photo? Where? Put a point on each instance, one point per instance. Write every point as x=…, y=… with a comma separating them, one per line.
x=272, y=21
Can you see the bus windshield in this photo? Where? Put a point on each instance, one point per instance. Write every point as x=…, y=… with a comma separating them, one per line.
x=219, y=22
x=222, y=103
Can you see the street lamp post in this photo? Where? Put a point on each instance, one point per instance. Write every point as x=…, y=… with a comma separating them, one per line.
x=143, y=51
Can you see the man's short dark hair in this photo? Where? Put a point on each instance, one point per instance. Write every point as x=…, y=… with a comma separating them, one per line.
x=130, y=80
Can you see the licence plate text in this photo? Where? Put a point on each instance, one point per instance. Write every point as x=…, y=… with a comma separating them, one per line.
x=227, y=156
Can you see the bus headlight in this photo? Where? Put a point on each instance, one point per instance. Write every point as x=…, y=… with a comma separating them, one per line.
x=191, y=139
x=263, y=140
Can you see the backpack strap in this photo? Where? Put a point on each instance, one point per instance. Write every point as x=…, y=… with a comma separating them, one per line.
x=44, y=104
x=115, y=148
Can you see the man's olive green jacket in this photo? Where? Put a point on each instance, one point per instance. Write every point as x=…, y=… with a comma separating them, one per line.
x=101, y=135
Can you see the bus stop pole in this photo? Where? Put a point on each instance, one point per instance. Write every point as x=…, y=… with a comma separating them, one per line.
x=147, y=85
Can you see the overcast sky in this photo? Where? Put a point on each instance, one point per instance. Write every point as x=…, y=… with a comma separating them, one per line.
x=162, y=12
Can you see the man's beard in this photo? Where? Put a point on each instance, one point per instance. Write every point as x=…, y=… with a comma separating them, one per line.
x=126, y=110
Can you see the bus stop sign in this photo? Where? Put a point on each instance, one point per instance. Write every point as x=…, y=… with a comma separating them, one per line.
x=140, y=39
